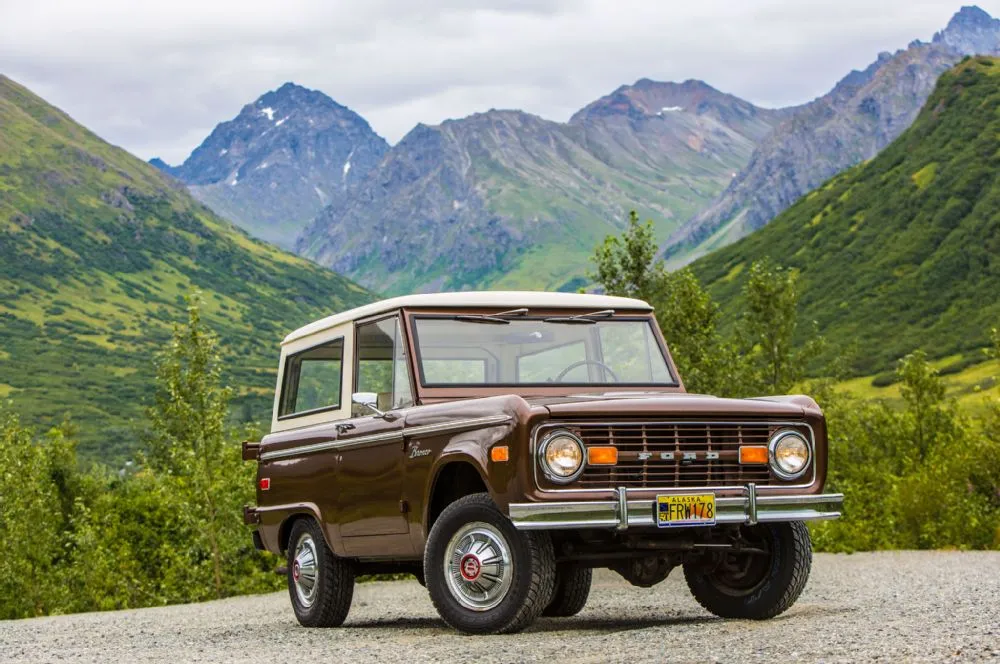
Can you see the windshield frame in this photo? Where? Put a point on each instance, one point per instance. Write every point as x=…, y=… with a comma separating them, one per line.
x=451, y=390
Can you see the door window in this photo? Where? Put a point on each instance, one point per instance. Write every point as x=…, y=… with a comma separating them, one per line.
x=383, y=366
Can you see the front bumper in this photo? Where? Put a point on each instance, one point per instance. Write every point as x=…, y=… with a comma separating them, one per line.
x=625, y=512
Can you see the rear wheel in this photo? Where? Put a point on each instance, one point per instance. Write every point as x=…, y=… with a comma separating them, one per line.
x=320, y=585
x=755, y=585
x=483, y=575
x=571, y=591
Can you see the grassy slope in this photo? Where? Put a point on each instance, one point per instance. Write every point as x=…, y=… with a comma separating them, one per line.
x=971, y=386
x=672, y=183
x=97, y=250
x=901, y=252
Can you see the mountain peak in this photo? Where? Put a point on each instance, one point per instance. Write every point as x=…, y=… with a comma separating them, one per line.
x=972, y=16
x=647, y=98
x=289, y=87
x=971, y=31
x=284, y=157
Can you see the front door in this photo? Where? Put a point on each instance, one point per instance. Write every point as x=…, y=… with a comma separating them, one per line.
x=371, y=473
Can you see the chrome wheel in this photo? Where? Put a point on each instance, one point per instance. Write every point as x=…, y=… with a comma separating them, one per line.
x=478, y=566
x=304, y=570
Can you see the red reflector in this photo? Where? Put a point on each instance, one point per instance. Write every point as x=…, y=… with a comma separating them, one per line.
x=265, y=483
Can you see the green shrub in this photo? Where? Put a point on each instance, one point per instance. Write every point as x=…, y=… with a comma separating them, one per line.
x=923, y=477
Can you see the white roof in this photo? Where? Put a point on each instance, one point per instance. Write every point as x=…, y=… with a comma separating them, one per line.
x=474, y=299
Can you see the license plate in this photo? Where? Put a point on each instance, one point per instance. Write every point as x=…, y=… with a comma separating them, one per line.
x=691, y=510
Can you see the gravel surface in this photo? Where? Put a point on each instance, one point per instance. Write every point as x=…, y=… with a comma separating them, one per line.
x=905, y=606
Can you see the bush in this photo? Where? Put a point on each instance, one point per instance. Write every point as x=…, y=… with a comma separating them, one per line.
x=923, y=477
x=89, y=539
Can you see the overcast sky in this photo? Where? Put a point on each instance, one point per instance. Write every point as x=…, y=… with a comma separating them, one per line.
x=156, y=76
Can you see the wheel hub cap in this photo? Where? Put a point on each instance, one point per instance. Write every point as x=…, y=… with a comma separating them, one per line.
x=304, y=571
x=478, y=566
x=471, y=567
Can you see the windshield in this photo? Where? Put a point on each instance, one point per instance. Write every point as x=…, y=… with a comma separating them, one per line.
x=470, y=350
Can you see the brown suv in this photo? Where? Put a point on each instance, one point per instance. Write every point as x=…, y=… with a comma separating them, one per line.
x=499, y=446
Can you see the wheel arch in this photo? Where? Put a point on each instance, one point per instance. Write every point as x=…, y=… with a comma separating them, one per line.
x=456, y=477
x=288, y=522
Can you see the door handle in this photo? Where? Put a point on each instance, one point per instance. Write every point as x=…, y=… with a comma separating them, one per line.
x=344, y=428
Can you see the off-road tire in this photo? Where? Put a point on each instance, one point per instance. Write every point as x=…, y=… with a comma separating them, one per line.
x=571, y=591
x=334, y=579
x=784, y=580
x=532, y=565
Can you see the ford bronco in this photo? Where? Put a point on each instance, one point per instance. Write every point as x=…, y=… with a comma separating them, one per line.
x=500, y=446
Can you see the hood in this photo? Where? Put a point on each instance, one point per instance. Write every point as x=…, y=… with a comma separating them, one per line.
x=624, y=404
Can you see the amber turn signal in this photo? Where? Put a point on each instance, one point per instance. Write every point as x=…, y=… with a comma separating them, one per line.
x=753, y=454
x=500, y=453
x=602, y=456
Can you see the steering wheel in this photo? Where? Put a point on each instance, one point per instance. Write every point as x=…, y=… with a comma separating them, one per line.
x=582, y=363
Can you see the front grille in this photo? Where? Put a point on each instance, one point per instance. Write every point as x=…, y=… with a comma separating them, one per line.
x=675, y=454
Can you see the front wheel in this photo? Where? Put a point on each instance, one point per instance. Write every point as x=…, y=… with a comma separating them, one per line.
x=483, y=575
x=755, y=585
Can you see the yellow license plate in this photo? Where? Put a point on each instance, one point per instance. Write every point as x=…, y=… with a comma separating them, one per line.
x=691, y=510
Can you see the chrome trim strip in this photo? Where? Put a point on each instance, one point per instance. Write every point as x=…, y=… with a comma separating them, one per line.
x=608, y=514
x=391, y=436
x=687, y=489
x=456, y=425
x=350, y=443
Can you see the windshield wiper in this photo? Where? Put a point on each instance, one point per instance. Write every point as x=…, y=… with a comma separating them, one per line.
x=501, y=318
x=587, y=319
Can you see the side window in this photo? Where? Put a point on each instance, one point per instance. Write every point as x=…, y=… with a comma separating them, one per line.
x=383, y=365
x=313, y=379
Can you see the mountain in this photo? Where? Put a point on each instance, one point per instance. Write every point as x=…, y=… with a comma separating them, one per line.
x=97, y=249
x=274, y=166
x=508, y=199
x=903, y=251
x=861, y=115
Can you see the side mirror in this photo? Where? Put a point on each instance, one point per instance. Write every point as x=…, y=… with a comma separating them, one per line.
x=368, y=400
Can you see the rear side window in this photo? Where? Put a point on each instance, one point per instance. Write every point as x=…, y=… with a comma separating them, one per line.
x=313, y=379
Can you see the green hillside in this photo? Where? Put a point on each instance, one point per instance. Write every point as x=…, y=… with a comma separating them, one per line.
x=903, y=251
x=97, y=250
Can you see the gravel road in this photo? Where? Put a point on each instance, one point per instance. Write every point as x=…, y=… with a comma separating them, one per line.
x=906, y=606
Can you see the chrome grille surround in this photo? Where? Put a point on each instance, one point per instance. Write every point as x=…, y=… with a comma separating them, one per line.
x=645, y=449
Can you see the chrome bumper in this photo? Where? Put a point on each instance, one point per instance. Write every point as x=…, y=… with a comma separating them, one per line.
x=625, y=512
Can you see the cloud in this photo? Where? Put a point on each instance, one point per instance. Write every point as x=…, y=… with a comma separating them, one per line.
x=155, y=77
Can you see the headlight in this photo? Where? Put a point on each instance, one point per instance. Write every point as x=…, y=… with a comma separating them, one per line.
x=789, y=454
x=561, y=456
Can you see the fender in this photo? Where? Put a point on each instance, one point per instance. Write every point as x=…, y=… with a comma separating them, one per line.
x=274, y=517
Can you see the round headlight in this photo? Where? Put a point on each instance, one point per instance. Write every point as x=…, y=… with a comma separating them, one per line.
x=789, y=454
x=561, y=455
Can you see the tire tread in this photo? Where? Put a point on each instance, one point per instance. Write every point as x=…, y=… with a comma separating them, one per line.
x=801, y=562
x=571, y=591
x=336, y=577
